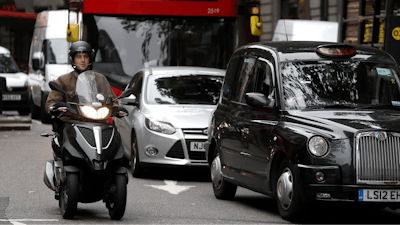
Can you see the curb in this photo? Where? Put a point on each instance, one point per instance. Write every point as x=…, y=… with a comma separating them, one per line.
x=14, y=123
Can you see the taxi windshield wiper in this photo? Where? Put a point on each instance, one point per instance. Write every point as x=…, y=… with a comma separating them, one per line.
x=332, y=106
x=379, y=106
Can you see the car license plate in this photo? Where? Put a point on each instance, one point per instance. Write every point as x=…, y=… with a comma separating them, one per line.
x=11, y=97
x=372, y=195
x=198, y=146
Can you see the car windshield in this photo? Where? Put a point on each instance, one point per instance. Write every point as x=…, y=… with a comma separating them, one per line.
x=7, y=64
x=184, y=89
x=57, y=51
x=338, y=84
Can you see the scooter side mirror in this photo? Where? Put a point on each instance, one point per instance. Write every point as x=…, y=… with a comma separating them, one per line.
x=124, y=94
x=56, y=87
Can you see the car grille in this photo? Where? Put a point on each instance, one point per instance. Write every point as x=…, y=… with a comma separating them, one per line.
x=176, y=151
x=193, y=154
x=378, y=157
x=196, y=131
x=87, y=133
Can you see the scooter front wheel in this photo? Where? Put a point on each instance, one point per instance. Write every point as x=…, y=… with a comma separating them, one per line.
x=116, y=208
x=69, y=193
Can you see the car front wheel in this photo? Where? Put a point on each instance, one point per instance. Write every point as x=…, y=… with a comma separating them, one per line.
x=291, y=206
x=222, y=189
x=136, y=168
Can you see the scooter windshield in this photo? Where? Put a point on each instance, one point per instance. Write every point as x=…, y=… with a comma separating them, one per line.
x=91, y=89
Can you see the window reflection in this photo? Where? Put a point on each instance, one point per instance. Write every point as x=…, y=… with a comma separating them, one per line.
x=190, y=89
x=313, y=84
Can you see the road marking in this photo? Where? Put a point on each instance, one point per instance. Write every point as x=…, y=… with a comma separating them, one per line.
x=17, y=221
x=171, y=187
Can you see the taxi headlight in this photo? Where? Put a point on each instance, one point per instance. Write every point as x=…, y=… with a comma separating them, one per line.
x=318, y=146
x=96, y=114
x=161, y=127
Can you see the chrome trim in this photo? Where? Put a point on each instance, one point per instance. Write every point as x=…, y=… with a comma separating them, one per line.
x=97, y=138
x=377, y=158
x=317, y=167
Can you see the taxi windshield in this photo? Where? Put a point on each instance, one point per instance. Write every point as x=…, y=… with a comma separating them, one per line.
x=338, y=84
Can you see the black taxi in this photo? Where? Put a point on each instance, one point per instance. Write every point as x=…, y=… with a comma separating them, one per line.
x=306, y=122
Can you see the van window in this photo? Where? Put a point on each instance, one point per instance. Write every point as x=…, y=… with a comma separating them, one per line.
x=244, y=71
x=56, y=51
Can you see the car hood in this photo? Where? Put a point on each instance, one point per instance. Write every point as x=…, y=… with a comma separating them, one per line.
x=345, y=123
x=15, y=79
x=181, y=116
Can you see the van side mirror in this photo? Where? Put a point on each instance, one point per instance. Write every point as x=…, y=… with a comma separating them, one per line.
x=258, y=100
x=38, y=61
x=256, y=25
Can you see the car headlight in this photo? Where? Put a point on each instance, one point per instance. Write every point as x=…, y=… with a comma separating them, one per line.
x=96, y=114
x=161, y=127
x=318, y=146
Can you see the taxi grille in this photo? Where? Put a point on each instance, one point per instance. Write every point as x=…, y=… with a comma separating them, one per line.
x=378, y=157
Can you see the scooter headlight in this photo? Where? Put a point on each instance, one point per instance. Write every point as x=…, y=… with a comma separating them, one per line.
x=93, y=113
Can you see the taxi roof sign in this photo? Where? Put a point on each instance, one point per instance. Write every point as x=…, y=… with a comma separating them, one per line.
x=336, y=51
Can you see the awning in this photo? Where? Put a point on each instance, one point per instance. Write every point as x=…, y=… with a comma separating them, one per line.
x=17, y=19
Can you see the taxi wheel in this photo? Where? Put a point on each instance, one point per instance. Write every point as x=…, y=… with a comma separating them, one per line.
x=222, y=189
x=136, y=168
x=290, y=205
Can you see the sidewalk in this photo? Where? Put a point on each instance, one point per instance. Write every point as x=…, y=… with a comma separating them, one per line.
x=12, y=121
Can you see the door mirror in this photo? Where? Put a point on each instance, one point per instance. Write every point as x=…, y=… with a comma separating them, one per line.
x=38, y=61
x=258, y=100
x=130, y=100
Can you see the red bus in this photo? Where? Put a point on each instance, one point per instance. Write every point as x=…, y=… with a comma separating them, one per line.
x=131, y=34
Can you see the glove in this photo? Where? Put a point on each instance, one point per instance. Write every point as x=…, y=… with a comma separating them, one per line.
x=59, y=104
x=54, y=109
x=121, y=112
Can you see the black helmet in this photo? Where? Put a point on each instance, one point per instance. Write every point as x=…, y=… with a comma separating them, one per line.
x=81, y=47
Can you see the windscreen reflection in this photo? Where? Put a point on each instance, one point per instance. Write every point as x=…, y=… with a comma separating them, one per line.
x=341, y=84
x=7, y=64
x=190, y=89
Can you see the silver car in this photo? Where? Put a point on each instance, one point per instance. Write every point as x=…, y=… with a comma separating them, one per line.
x=169, y=113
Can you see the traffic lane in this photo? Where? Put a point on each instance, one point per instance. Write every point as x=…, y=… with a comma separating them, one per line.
x=23, y=194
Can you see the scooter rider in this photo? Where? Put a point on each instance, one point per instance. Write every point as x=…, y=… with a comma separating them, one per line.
x=81, y=56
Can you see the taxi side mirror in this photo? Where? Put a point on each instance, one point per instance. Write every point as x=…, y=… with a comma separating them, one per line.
x=72, y=32
x=260, y=101
x=256, y=25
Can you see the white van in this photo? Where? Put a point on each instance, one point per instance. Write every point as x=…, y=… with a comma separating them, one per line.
x=15, y=95
x=48, y=58
x=306, y=30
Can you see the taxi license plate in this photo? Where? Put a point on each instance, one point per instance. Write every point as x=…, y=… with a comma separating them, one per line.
x=11, y=97
x=197, y=146
x=372, y=195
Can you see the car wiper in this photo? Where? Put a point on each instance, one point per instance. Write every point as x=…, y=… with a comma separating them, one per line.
x=333, y=106
x=380, y=106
